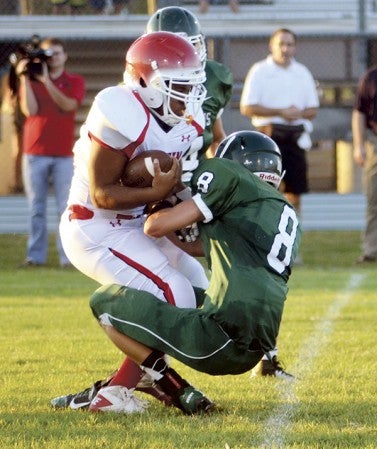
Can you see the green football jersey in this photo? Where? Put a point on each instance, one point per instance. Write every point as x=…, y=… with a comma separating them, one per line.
x=219, y=85
x=250, y=237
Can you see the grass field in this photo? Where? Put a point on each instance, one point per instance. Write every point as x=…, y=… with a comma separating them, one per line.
x=51, y=344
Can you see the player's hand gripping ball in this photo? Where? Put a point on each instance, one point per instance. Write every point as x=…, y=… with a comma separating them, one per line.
x=139, y=171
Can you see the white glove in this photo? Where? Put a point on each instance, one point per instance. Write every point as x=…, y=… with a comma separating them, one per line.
x=188, y=234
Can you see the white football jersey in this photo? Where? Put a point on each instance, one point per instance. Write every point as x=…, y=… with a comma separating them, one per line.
x=119, y=120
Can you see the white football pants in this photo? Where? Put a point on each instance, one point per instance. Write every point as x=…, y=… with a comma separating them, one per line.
x=117, y=251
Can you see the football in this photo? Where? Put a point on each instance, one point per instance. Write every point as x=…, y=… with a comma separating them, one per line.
x=139, y=171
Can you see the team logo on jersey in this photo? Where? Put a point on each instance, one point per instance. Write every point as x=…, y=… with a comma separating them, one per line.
x=117, y=223
x=176, y=154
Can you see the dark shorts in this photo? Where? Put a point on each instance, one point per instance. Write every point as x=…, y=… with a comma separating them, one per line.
x=293, y=157
x=294, y=163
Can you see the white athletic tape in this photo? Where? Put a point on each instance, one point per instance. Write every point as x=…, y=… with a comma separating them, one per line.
x=149, y=165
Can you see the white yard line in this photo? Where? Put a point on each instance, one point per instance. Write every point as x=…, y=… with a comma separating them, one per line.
x=276, y=426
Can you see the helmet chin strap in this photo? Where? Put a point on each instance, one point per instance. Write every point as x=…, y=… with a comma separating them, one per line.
x=167, y=119
x=281, y=178
x=167, y=115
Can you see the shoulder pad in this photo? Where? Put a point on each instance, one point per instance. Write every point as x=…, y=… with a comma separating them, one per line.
x=220, y=71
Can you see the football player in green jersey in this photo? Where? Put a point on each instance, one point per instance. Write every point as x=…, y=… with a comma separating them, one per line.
x=219, y=83
x=249, y=235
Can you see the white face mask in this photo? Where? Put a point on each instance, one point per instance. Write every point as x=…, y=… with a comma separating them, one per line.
x=162, y=89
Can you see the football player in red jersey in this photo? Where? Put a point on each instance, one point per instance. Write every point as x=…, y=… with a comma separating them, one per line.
x=158, y=107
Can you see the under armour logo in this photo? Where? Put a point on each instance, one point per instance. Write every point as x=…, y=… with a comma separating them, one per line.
x=117, y=223
x=176, y=154
x=188, y=138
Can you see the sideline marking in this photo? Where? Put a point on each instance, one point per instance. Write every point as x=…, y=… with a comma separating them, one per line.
x=276, y=425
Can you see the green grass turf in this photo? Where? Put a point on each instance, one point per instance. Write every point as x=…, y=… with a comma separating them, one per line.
x=51, y=344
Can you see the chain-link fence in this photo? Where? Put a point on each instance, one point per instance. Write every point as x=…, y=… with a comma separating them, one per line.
x=337, y=41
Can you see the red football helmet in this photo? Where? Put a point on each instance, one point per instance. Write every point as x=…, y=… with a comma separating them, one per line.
x=156, y=63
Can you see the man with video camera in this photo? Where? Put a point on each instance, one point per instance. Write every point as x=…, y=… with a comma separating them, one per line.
x=49, y=97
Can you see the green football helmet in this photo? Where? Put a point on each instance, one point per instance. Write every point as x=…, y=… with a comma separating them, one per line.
x=255, y=151
x=180, y=21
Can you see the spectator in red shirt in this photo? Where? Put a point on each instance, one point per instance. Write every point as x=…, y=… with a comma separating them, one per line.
x=49, y=98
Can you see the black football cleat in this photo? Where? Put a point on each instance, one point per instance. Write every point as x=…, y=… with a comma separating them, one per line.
x=271, y=367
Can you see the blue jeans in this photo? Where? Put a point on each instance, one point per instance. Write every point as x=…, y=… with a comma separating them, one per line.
x=38, y=172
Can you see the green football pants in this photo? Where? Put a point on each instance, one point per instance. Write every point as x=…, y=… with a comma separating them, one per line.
x=188, y=335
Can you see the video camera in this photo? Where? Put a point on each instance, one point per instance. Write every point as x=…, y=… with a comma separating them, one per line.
x=34, y=54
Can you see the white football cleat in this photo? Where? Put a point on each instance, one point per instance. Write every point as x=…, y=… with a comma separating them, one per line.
x=117, y=399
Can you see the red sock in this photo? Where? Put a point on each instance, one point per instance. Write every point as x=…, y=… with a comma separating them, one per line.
x=128, y=374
